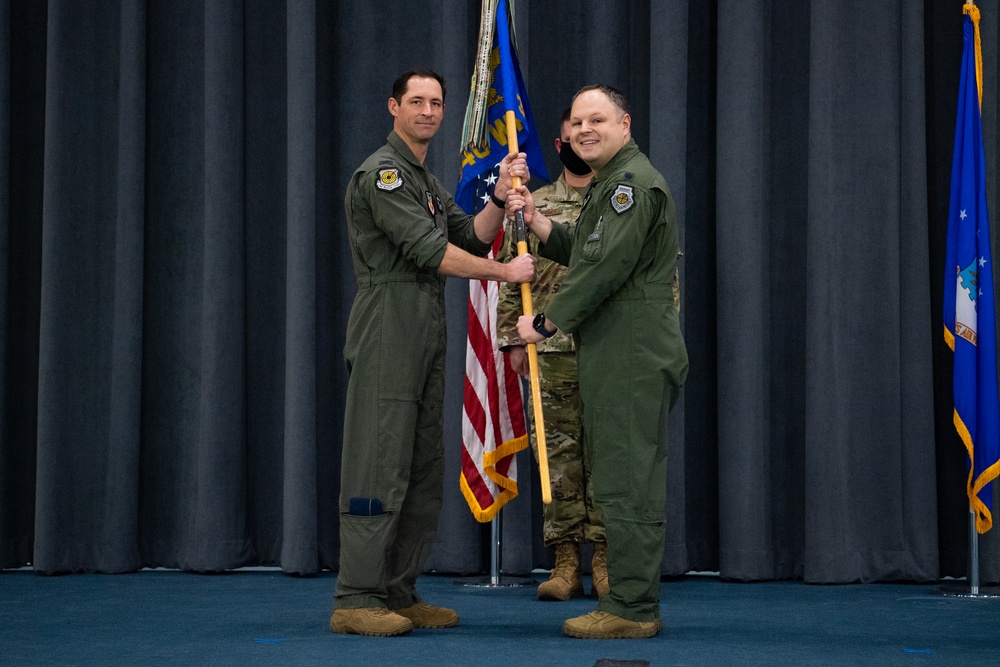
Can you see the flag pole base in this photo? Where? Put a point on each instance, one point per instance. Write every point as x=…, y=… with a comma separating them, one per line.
x=495, y=582
x=495, y=579
x=966, y=591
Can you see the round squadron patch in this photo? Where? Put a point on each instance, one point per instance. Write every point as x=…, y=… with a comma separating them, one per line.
x=622, y=199
x=388, y=179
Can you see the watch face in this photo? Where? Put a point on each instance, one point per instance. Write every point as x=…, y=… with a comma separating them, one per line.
x=539, y=325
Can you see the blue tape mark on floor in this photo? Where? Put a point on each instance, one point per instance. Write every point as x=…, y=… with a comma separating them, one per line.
x=918, y=650
x=264, y=640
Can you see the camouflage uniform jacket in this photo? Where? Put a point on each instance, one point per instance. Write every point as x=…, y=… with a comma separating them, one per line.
x=559, y=202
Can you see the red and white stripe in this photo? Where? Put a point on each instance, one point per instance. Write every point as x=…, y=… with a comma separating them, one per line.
x=493, y=422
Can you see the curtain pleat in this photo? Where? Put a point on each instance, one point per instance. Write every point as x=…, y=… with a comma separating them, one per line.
x=194, y=420
x=299, y=552
x=90, y=336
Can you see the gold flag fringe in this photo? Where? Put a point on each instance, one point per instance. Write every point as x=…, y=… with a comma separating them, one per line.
x=474, y=126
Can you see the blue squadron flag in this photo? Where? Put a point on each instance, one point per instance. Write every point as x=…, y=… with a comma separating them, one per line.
x=969, y=313
x=496, y=87
x=494, y=428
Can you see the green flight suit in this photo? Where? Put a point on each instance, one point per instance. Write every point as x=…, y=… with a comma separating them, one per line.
x=400, y=219
x=572, y=515
x=617, y=299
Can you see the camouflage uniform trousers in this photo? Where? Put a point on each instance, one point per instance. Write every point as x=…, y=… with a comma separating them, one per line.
x=571, y=516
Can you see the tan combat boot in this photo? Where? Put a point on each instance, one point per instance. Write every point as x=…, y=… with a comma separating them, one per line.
x=599, y=569
x=565, y=582
x=602, y=625
x=370, y=621
x=424, y=615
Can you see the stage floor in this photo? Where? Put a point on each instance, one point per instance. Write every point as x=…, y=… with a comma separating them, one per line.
x=263, y=617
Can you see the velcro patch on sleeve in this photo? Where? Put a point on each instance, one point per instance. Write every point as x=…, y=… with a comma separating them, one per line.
x=389, y=179
x=622, y=199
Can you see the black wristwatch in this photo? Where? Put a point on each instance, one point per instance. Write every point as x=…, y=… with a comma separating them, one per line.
x=538, y=324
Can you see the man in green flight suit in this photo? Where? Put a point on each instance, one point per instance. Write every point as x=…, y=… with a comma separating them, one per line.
x=571, y=517
x=406, y=234
x=617, y=301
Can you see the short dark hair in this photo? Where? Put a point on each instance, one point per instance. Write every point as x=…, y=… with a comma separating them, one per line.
x=564, y=118
x=402, y=82
x=616, y=96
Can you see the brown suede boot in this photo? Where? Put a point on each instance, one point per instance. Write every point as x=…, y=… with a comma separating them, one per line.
x=602, y=625
x=565, y=582
x=424, y=615
x=599, y=568
x=370, y=621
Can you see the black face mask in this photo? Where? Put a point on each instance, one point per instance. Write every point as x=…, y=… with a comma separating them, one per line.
x=572, y=161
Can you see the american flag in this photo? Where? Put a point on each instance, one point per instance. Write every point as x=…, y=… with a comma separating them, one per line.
x=493, y=422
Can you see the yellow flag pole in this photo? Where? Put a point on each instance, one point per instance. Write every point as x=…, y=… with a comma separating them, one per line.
x=536, y=391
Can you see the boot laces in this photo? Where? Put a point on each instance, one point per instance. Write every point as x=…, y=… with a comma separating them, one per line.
x=565, y=566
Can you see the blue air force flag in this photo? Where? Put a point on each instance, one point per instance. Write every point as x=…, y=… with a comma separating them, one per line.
x=969, y=317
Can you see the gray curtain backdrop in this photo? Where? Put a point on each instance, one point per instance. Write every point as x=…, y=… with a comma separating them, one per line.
x=175, y=282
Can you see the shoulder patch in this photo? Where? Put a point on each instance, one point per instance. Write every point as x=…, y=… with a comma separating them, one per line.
x=388, y=179
x=622, y=199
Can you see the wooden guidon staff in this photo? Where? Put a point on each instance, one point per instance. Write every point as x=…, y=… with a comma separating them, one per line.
x=536, y=391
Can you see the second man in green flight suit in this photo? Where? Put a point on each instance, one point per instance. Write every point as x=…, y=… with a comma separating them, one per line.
x=617, y=300
x=571, y=518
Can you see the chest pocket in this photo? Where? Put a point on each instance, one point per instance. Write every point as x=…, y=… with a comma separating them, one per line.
x=593, y=246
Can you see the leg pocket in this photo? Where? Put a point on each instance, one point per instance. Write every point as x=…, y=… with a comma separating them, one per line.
x=364, y=550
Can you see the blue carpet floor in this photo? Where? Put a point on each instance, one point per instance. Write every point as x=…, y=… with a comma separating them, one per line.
x=267, y=618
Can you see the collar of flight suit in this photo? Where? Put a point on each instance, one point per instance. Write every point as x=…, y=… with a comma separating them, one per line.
x=626, y=153
x=397, y=142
